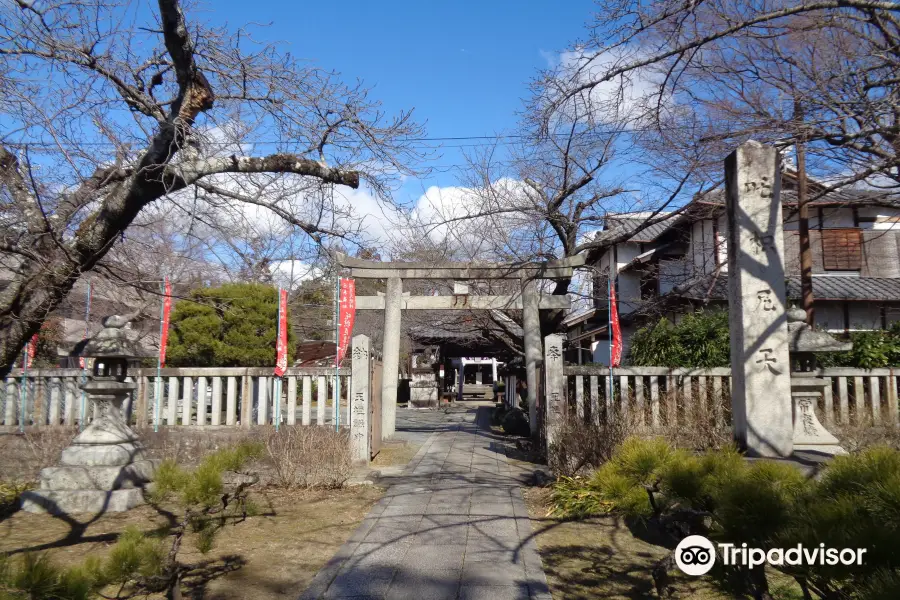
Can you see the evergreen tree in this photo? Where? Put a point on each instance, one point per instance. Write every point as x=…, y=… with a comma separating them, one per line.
x=234, y=325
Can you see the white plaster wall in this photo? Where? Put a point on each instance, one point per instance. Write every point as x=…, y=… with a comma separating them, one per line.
x=601, y=352
x=600, y=348
x=626, y=252
x=696, y=246
x=628, y=292
x=722, y=244
x=629, y=284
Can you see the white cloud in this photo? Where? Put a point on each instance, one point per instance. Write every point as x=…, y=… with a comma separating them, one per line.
x=291, y=273
x=622, y=99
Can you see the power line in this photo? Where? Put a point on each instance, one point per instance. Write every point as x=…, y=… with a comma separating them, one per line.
x=485, y=139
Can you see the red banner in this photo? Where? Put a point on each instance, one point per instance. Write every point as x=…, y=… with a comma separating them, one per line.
x=164, y=327
x=616, y=349
x=30, y=349
x=281, y=342
x=347, y=317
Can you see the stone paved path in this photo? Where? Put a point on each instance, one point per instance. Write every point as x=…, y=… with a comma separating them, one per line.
x=452, y=526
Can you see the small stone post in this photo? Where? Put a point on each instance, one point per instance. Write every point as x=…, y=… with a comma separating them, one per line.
x=757, y=300
x=556, y=391
x=531, y=329
x=391, y=360
x=359, y=401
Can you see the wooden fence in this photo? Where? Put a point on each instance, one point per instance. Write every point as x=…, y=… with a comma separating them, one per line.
x=184, y=397
x=660, y=396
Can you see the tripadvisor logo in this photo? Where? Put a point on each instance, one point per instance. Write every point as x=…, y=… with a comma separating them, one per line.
x=696, y=555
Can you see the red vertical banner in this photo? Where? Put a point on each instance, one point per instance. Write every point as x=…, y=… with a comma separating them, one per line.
x=30, y=349
x=347, y=317
x=281, y=343
x=164, y=326
x=616, y=350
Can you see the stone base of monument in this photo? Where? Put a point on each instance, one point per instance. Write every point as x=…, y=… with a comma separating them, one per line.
x=92, y=486
x=809, y=434
x=424, y=397
x=104, y=470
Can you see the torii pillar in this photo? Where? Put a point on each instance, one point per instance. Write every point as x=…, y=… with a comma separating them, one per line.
x=531, y=330
x=393, y=299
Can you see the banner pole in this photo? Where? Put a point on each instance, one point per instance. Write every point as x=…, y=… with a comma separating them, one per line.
x=87, y=330
x=23, y=393
x=162, y=308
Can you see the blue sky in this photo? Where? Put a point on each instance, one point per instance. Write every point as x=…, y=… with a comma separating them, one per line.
x=464, y=66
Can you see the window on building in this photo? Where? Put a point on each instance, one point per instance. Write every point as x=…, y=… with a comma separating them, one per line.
x=841, y=249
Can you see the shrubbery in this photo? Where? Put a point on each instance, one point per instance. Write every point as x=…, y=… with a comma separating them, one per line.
x=229, y=326
x=308, y=457
x=871, y=350
x=200, y=501
x=699, y=340
x=855, y=503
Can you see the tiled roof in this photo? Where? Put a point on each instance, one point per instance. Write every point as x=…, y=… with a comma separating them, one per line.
x=617, y=225
x=834, y=287
x=845, y=197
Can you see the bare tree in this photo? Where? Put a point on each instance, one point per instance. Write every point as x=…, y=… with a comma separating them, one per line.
x=716, y=73
x=544, y=197
x=107, y=113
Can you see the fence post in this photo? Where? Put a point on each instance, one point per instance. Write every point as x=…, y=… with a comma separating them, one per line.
x=359, y=404
x=555, y=398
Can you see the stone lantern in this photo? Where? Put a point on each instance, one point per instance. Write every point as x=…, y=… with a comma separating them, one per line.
x=105, y=467
x=804, y=343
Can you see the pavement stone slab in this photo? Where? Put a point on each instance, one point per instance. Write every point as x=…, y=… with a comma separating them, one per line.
x=452, y=525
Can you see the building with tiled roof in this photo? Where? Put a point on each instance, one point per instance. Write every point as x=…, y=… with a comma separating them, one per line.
x=679, y=264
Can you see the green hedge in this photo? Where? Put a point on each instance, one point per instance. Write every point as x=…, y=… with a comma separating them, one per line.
x=701, y=340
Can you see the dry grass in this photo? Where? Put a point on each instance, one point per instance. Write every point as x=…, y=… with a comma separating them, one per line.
x=863, y=433
x=273, y=555
x=605, y=557
x=581, y=445
x=186, y=446
x=394, y=455
x=308, y=457
x=22, y=456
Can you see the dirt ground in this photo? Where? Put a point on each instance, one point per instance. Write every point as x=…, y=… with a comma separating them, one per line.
x=394, y=454
x=272, y=555
x=603, y=557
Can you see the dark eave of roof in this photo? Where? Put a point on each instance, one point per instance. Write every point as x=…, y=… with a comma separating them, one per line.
x=826, y=287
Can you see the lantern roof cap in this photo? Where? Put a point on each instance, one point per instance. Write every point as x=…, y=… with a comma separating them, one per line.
x=803, y=338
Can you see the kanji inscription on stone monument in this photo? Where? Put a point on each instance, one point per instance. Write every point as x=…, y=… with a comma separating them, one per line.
x=761, y=387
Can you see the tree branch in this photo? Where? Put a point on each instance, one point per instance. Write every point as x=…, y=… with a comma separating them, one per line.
x=188, y=173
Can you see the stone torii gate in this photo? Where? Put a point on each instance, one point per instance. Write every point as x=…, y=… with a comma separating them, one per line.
x=529, y=300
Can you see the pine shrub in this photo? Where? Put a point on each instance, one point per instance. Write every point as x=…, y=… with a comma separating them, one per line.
x=855, y=503
x=234, y=325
